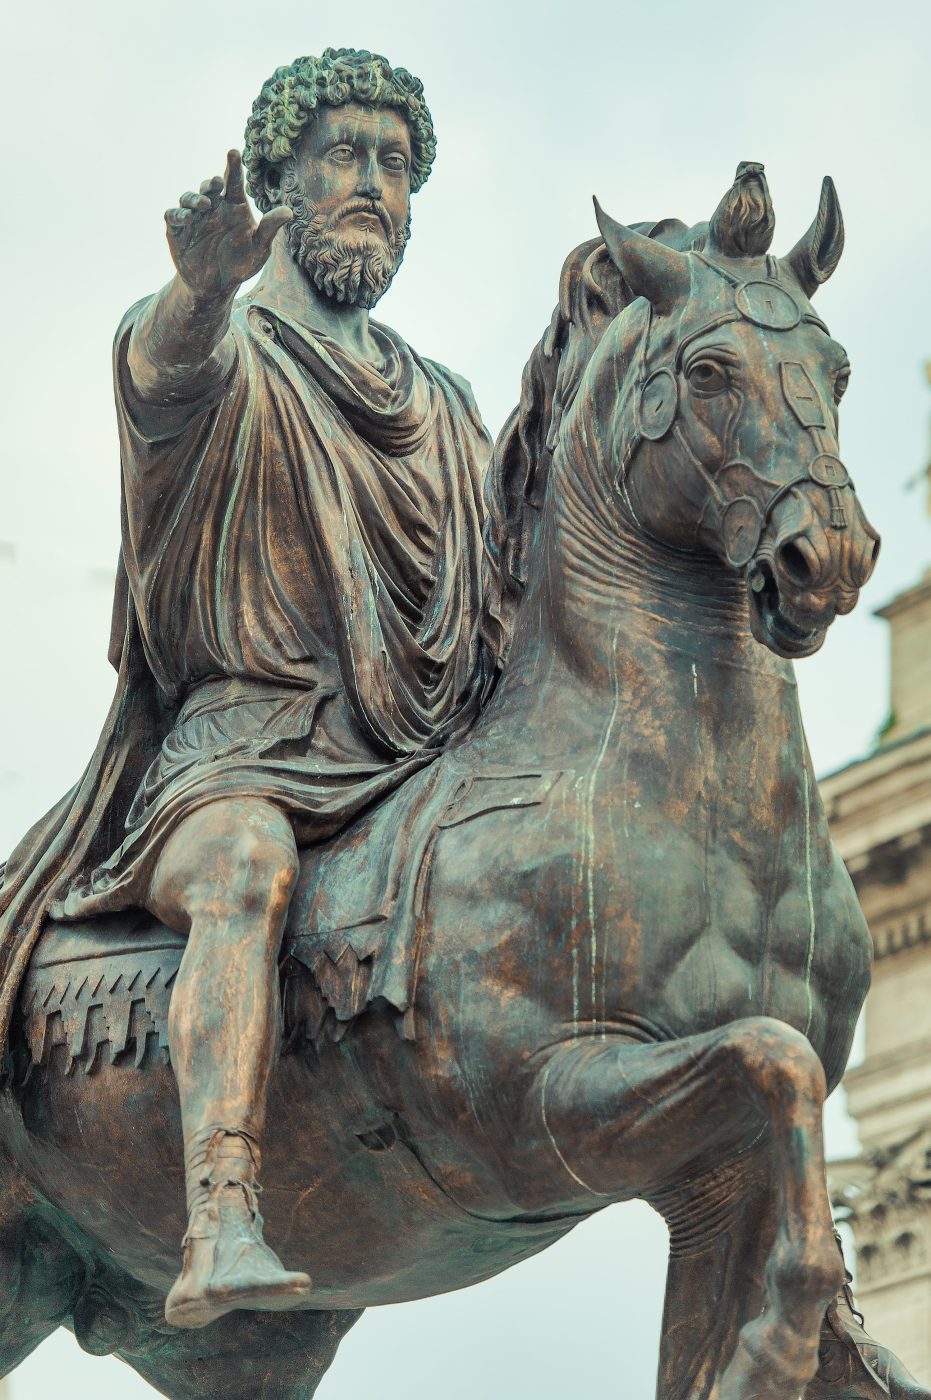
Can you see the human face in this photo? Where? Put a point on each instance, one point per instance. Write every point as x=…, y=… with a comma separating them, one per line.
x=354, y=165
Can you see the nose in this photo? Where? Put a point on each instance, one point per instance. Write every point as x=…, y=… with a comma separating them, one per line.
x=370, y=181
x=825, y=557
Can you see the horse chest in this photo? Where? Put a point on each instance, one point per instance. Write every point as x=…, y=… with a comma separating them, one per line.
x=606, y=904
x=706, y=920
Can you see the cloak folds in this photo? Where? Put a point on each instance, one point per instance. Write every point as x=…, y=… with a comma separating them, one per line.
x=296, y=614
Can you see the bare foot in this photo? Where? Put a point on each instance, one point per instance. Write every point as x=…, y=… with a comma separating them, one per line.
x=228, y=1265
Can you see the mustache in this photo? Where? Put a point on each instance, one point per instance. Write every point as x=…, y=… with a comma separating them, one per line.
x=367, y=206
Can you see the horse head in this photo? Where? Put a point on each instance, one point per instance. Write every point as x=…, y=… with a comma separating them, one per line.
x=726, y=419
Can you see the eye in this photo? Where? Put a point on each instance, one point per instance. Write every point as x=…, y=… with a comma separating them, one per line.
x=395, y=163
x=840, y=383
x=343, y=154
x=707, y=377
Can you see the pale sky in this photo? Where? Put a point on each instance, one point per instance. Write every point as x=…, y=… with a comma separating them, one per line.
x=112, y=110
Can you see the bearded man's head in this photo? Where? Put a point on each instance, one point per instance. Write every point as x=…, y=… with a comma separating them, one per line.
x=347, y=266
x=349, y=263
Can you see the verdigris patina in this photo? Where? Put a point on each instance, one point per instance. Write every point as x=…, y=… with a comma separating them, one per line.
x=585, y=943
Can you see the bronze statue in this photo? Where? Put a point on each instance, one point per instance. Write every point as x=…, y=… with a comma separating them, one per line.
x=586, y=943
x=300, y=586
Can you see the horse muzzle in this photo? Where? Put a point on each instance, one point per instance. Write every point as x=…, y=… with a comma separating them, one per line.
x=787, y=630
x=805, y=575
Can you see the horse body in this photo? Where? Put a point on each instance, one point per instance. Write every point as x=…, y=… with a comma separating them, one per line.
x=679, y=877
x=639, y=963
x=684, y=902
x=545, y=924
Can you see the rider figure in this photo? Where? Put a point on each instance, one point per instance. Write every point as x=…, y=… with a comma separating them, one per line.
x=301, y=544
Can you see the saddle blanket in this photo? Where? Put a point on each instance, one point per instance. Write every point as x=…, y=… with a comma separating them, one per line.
x=353, y=938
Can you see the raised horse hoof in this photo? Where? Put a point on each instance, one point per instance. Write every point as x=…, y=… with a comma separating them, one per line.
x=227, y=1265
x=852, y=1366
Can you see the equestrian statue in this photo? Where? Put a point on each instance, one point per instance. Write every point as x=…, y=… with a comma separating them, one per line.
x=451, y=857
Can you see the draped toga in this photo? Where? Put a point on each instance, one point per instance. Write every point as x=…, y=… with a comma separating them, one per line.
x=297, y=608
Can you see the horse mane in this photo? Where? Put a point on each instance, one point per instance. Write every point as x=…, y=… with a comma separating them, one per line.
x=591, y=294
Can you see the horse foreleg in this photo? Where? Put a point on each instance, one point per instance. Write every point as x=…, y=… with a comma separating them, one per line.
x=722, y=1227
x=624, y=1119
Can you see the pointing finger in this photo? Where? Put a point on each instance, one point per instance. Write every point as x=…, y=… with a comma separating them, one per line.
x=235, y=188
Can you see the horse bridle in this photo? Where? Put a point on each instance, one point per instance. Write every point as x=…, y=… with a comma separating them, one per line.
x=764, y=302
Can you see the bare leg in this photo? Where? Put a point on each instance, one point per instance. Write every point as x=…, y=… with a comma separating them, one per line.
x=627, y=1119
x=225, y=878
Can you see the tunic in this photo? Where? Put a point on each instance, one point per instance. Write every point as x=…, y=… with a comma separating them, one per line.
x=297, y=608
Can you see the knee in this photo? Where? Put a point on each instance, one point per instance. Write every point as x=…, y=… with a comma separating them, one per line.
x=262, y=870
x=226, y=861
x=775, y=1059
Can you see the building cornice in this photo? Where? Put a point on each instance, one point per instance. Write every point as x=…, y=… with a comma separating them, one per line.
x=880, y=799
x=905, y=602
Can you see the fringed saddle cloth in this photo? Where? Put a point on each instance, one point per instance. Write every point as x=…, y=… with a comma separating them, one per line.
x=99, y=990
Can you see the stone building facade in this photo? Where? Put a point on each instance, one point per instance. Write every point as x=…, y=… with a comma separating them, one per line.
x=880, y=813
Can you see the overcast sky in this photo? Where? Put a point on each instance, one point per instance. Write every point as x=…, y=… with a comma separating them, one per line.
x=113, y=109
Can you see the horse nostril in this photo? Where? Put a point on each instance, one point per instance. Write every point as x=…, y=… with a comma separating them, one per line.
x=874, y=555
x=866, y=563
x=795, y=564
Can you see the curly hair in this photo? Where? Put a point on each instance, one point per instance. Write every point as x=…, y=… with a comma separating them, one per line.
x=292, y=94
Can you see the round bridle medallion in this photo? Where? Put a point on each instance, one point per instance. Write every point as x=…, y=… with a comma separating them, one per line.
x=827, y=470
x=741, y=528
x=768, y=305
x=659, y=400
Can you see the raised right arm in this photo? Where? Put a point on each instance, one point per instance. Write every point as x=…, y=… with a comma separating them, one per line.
x=180, y=345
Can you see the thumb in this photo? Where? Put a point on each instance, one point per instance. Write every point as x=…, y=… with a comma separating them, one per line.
x=269, y=226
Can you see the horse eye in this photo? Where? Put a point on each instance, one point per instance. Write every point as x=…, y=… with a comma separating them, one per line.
x=840, y=385
x=707, y=377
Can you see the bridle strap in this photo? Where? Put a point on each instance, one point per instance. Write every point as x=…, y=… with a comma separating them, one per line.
x=766, y=303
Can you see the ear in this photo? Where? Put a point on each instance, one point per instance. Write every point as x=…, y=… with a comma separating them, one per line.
x=271, y=183
x=652, y=270
x=815, y=256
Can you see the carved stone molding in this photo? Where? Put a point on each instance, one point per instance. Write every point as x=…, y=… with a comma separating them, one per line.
x=885, y=1198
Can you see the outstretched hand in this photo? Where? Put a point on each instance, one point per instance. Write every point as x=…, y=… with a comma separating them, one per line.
x=215, y=242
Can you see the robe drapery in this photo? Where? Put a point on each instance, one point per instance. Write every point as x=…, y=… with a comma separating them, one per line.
x=297, y=608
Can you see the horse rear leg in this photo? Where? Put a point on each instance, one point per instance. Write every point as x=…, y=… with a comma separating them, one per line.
x=624, y=1119
x=244, y=1356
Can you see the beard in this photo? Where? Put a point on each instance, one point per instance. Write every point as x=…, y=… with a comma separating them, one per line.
x=352, y=267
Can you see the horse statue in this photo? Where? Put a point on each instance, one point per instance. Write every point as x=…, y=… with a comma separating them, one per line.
x=601, y=949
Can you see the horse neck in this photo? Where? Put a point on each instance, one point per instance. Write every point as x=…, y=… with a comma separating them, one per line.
x=615, y=623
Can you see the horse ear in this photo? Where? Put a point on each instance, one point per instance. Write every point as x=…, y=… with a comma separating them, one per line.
x=815, y=256
x=652, y=270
